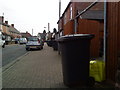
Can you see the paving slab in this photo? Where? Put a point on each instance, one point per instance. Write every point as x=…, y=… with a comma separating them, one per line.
x=37, y=69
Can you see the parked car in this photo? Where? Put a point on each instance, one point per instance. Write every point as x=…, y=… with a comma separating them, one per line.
x=2, y=41
x=34, y=43
x=22, y=41
x=16, y=40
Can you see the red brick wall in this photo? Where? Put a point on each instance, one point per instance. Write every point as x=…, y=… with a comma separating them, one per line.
x=69, y=28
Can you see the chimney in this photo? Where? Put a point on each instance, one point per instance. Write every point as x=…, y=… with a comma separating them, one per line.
x=12, y=25
x=2, y=19
x=6, y=22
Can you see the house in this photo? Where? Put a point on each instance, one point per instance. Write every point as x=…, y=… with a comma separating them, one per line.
x=4, y=28
x=14, y=32
x=9, y=31
x=25, y=35
x=42, y=36
x=49, y=35
x=91, y=21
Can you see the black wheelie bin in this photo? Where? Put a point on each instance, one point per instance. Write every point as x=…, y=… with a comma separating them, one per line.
x=49, y=43
x=55, y=45
x=75, y=51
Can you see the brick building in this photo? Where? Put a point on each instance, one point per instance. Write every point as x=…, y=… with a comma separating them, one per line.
x=9, y=31
x=25, y=35
x=92, y=22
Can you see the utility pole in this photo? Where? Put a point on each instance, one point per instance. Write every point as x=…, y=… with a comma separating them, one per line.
x=32, y=32
x=59, y=8
x=3, y=14
x=48, y=27
x=59, y=16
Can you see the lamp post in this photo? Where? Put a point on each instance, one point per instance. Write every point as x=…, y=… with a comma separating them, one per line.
x=48, y=27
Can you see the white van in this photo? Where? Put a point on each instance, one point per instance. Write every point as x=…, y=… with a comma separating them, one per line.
x=2, y=41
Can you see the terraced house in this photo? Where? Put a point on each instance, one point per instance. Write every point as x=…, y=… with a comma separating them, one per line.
x=9, y=31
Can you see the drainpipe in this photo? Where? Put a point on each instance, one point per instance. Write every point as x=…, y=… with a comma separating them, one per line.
x=75, y=25
x=105, y=30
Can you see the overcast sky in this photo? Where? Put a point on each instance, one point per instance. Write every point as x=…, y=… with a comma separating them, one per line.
x=28, y=14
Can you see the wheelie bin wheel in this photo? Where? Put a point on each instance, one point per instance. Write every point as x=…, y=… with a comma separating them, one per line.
x=91, y=82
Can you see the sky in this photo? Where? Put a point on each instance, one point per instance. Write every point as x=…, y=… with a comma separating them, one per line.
x=32, y=14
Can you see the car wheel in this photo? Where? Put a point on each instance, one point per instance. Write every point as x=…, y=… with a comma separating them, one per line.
x=42, y=47
x=3, y=46
x=91, y=81
x=27, y=49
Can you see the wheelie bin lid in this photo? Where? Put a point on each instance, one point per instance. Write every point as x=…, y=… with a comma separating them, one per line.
x=75, y=37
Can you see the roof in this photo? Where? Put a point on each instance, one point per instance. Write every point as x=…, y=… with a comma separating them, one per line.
x=64, y=11
x=60, y=19
x=12, y=29
x=26, y=34
x=5, y=24
x=66, y=8
x=93, y=14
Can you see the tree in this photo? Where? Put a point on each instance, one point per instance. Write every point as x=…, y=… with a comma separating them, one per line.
x=44, y=31
x=54, y=30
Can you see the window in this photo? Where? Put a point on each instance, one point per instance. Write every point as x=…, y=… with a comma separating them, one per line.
x=71, y=12
x=32, y=39
x=65, y=19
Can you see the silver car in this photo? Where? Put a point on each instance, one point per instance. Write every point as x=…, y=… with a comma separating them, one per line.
x=22, y=41
x=34, y=43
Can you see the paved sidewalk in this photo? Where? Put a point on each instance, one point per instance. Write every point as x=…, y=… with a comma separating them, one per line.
x=38, y=69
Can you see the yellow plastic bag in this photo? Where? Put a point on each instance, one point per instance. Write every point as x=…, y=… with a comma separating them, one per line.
x=97, y=70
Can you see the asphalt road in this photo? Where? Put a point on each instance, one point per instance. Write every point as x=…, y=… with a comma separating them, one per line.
x=12, y=52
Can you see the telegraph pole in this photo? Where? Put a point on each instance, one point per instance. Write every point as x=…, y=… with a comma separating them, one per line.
x=59, y=15
x=59, y=8
x=3, y=14
x=32, y=32
x=48, y=27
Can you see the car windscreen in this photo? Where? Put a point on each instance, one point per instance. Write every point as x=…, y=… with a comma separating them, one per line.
x=16, y=39
x=22, y=38
x=32, y=39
